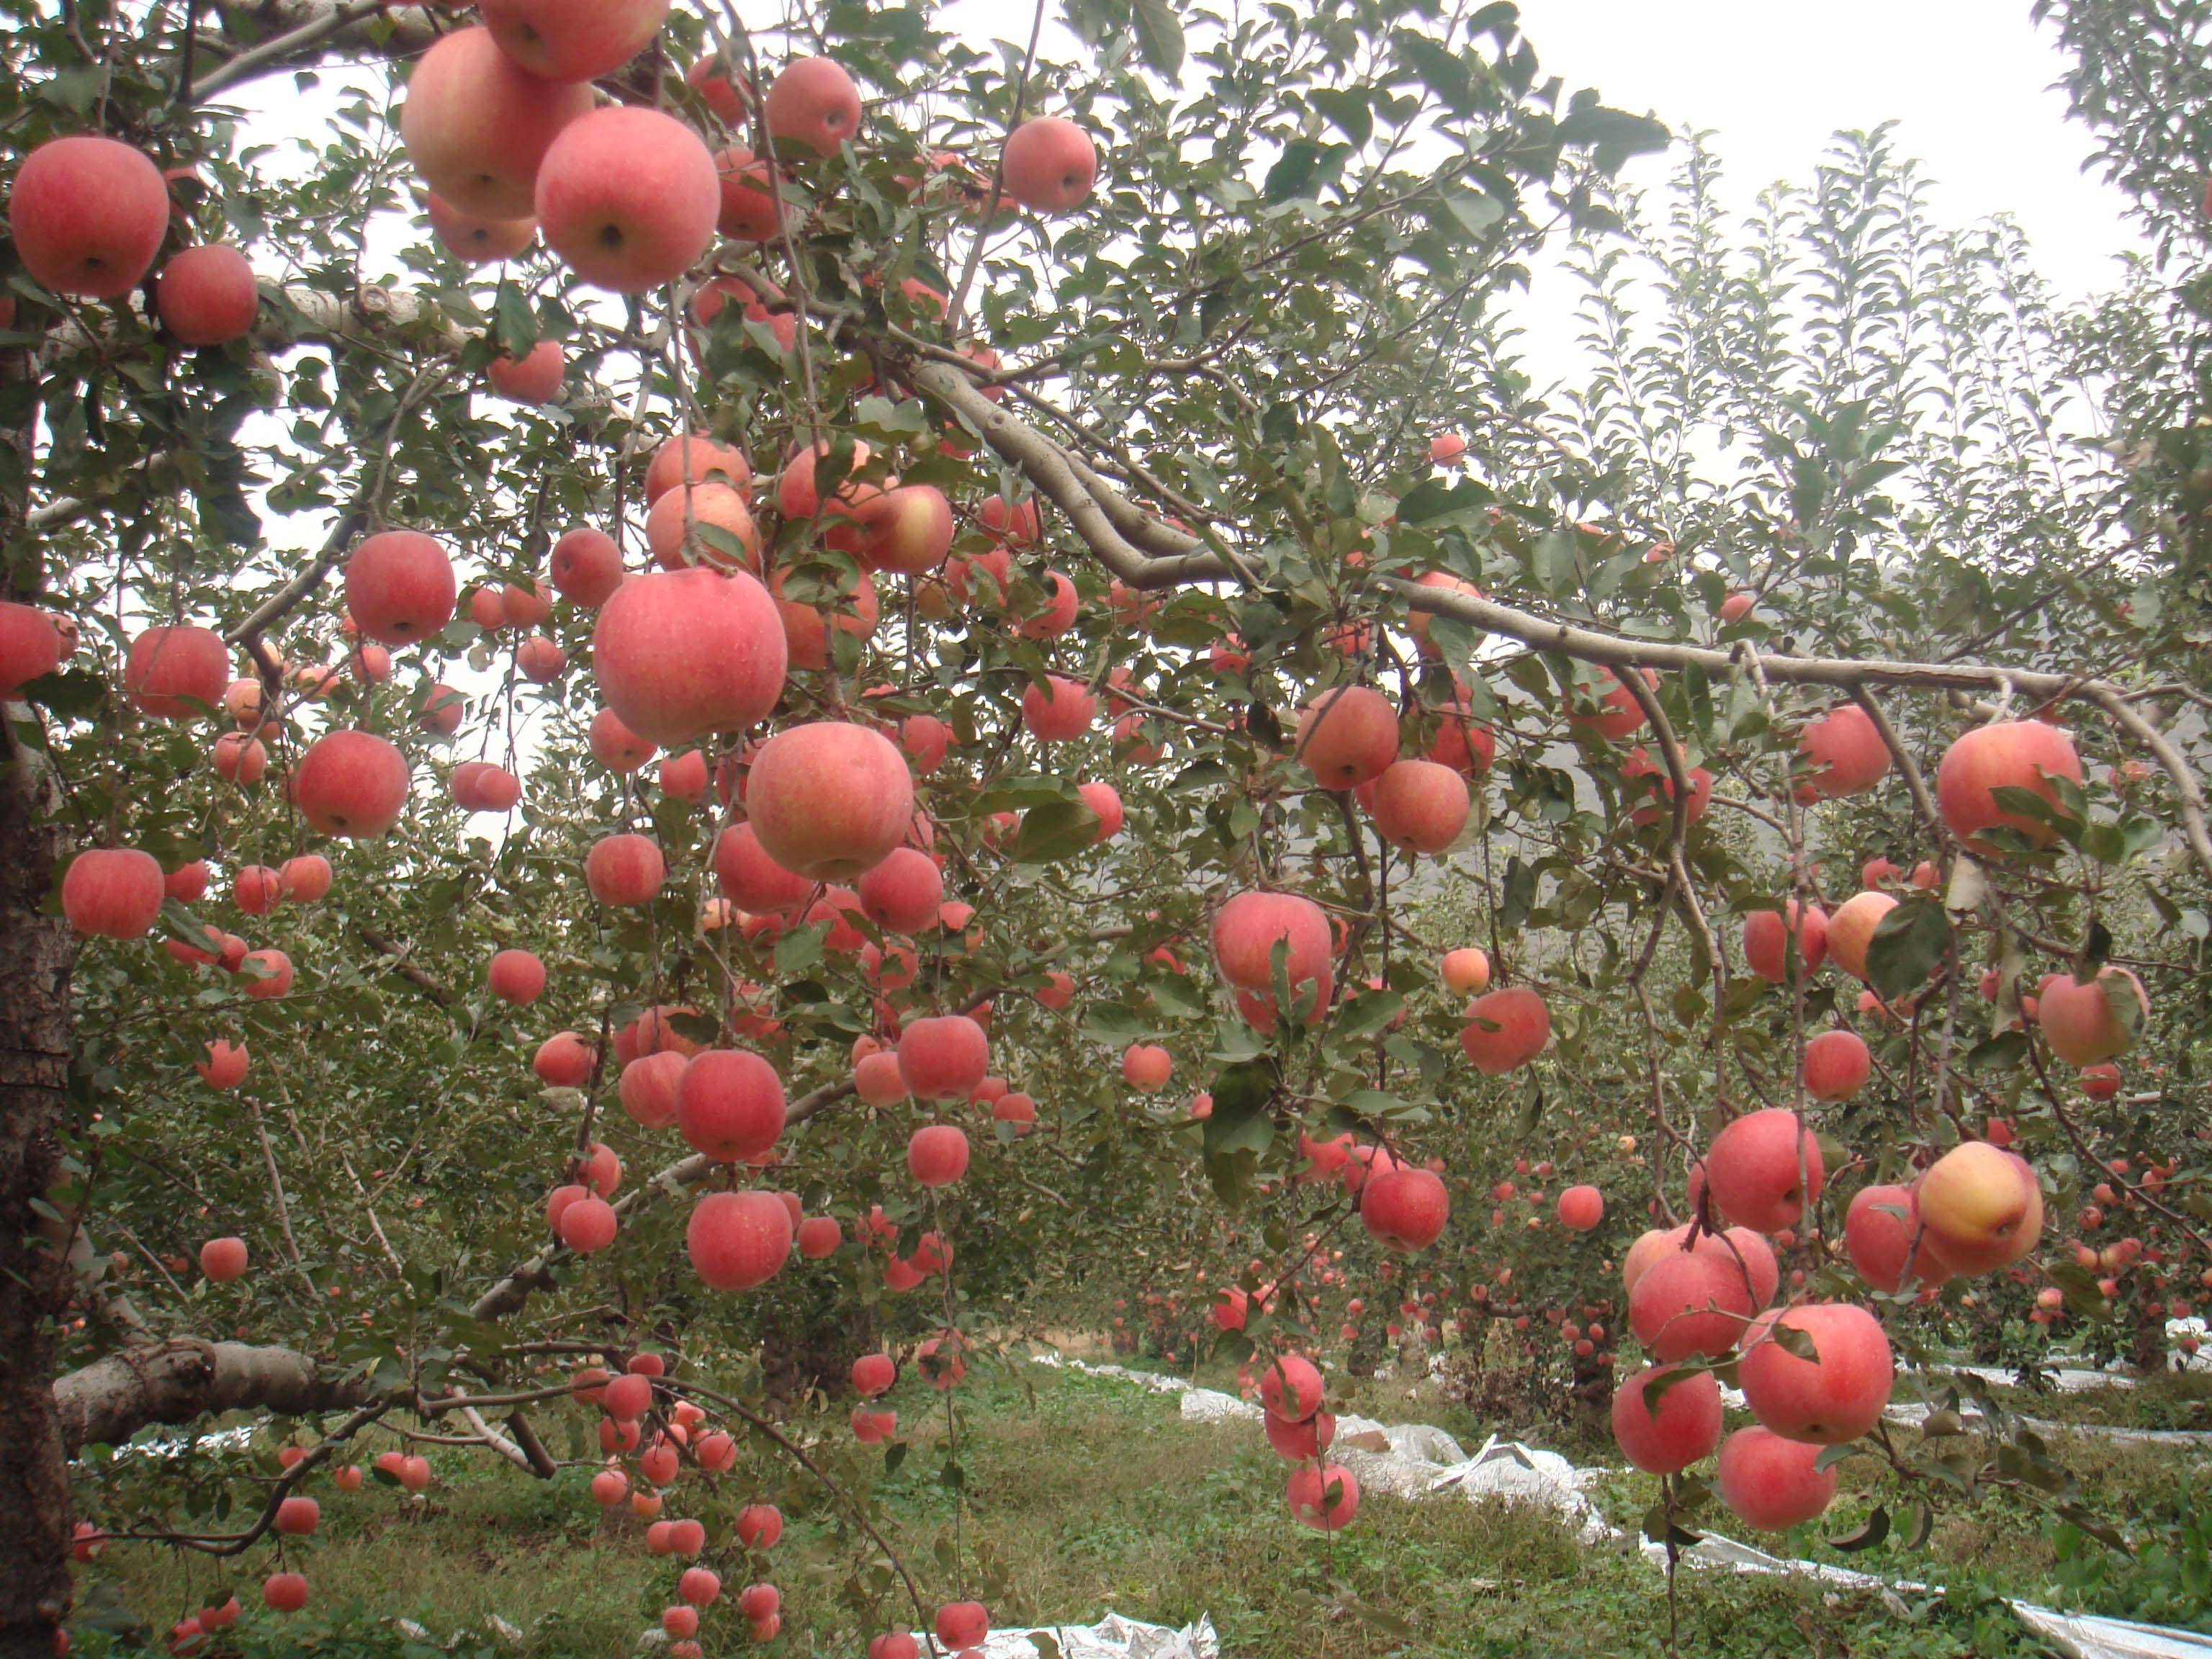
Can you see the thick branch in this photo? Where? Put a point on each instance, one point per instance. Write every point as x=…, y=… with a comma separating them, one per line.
x=111, y=1399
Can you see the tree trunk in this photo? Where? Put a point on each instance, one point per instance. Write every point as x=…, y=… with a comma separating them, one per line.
x=36, y=953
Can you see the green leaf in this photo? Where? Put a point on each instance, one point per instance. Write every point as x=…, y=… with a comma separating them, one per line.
x=2079, y=1287
x=1294, y=170
x=1159, y=37
x=1368, y=1013
x=1240, y=1121
x=1872, y=1531
x=2001, y=1052
x=1443, y=73
x=1907, y=945
x=1347, y=109
x=801, y=948
x=1113, y=1025
x=1059, y=829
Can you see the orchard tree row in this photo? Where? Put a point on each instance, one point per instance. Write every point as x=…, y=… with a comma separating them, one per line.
x=700, y=709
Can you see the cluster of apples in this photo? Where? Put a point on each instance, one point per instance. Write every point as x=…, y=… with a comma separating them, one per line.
x=1321, y=1494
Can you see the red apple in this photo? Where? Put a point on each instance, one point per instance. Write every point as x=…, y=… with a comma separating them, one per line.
x=735, y=1241
x=87, y=215
x=628, y=198
x=206, y=296
x=572, y=40
x=2014, y=753
x=478, y=125
x=812, y=104
x=682, y=653
x=351, y=783
x=829, y=798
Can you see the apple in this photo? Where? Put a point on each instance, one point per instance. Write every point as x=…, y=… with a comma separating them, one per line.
x=225, y=1065
x=478, y=126
x=1980, y=1208
x=1599, y=701
x=1290, y=1388
x=650, y=1087
x=807, y=624
x=1104, y=801
x=516, y=976
x=937, y=1154
x=169, y=672
x=306, y=879
x=1404, y=1209
x=476, y=239
x=1752, y=1170
x=257, y=889
x=1837, y=1396
x=1047, y=164
x=399, y=585
x=694, y=458
x=736, y=1241
x=1581, y=1209
x=903, y=892
x=223, y=1259
x=284, y=1592
x=628, y=196
x=1146, y=1067
x=562, y=1060
x=1690, y=1302
x=534, y=378
x=588, y=1224
x=30, y=645
x=440, y=711
x=1682, y=1429
x=672, y=528
x=2088, y=1021
x=1418, y=805
x=729, y=1107
x=1638, y=767
x=112, y=892
x=1059, y=709
x=206, y=296
x=87, y=215
x=1505, y=1029
x=2004, y=753
x=1842, y=754
x=1346, y=737
x=1851, y=929
x=572, y=40
x=351, y=783
x=829, y=798
x=749, y=204
x=682, y=653
x=1736, y=606
x=813, y=104
x=268, y=973
x=1836, y=1065
x=586, y=567
x=1446, y=449
x=752, y=879
x=1322, y=1496
x=1766, y=939
x=699, y=1586
x=1771, y=1483
x=943, y=1057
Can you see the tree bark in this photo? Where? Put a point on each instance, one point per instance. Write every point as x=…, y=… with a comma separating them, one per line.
x=36, y=955
x=174, y=1382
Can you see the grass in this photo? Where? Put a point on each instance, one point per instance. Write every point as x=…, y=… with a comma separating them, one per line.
x=1085, y=1495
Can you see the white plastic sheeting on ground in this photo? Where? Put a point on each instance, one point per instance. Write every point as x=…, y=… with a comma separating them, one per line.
x=1421, y=1460
x=1111, y=1638
x=2086, y=1637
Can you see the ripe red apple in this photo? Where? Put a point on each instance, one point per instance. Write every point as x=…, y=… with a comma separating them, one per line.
x=2015, y=753
x=1601, y=702
x=674, y=528
x=937, y=1154
x=1146, y=1066
x=1058, y=710
x=1879, y=1230
x=1771, y=1483
x=588, y=1224
x=1581, y=1209
x=1736, y=607
x=206, y=296
x=440, y=710
x=1980, y=1208
x=170, y=672
x=225, y=1066
x=1680, y=1430
x=1446, y=449
x=1505, y=1029
x=1752, y=1170
x=478, y=125
x=586, y=567
x=87, y=215
x=2088, y=1021
x=476, y=239
x=1835, y=1396
x=257, y=889
x=1466, y=971
x=682, y=653
x=807, y=624
x=1851, y=929
x=1766, y=939
x=1836, y=1065
x=615, y=746
x=30, y=645
x=1322, y=1496
x=730, y=1106
x=829, y=798
x=1404, y=1209
x=903, y=892
x=894, y=1645
x=351, y=783
x=1047, y=164
x=628, y=198
x=908, y=529
x=534, y=378
x=684, y=777
x=812, y=104
x=284, y=1592
x=943, y=1057
x=1687, y=1302
x=749, y=207
x=1290, y=1388
x=752, y=879
x=112, y=892
x=1842, y=753
x=698, y=1586
x=223, y=1259
x=1418, y=805
x=1347, y=735
x=650, y=1086
x=2101, y=1082
x=516, y=976
x=573, y=39
x=694, y=459
x=1643, y=778
x=736, y=1241
x=267, y=973
x=306, y=879
x=399, y=585
x=564, y=1060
